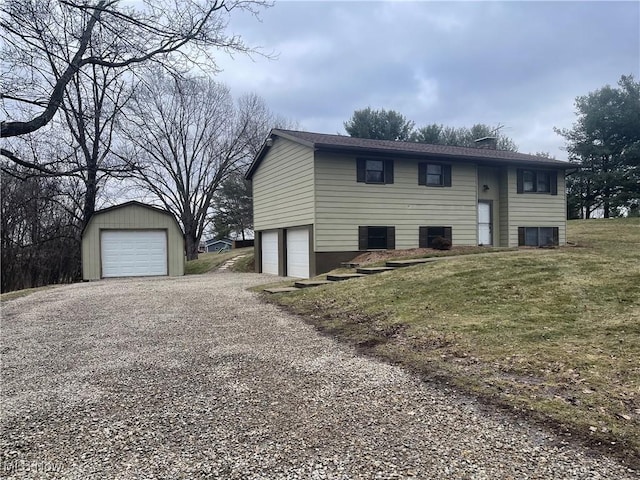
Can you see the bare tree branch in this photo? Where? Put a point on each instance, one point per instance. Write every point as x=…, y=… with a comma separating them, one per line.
x=159, y=32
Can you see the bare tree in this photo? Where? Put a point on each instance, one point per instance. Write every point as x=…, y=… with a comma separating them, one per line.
x=188, y=136
x=48, y=43
x=91, y=107
x=39, y=234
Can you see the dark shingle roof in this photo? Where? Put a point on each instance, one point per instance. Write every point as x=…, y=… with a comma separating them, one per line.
x=342, y=143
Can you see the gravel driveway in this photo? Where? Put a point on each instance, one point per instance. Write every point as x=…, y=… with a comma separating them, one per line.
x=196, y=378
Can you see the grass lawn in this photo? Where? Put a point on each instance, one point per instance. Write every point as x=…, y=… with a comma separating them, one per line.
x=245, y=264
x=207, y=262
x=553, y=333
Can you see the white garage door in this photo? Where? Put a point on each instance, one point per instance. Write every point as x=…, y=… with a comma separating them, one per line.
x=269, y=252
x=298, y=253
x=133, y=253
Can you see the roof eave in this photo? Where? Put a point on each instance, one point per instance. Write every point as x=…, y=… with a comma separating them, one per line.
x=467, y=158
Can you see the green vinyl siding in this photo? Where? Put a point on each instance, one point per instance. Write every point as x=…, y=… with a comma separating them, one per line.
x=536, y=209
x=343, y=204
x=283, y=187
x=131, y=217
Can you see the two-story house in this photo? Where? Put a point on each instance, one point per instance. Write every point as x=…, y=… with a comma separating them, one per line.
x=320, y=200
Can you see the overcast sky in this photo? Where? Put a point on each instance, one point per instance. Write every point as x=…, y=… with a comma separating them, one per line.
x=519, y=64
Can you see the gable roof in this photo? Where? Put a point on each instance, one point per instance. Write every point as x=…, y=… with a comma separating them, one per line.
x=212, y=241
x=366, y=146
x=129, y=204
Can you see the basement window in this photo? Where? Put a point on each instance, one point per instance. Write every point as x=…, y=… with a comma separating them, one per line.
x=428, y=234
x=538, y=236
x=376, y=238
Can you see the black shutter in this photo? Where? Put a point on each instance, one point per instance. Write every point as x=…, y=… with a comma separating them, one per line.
x=556, y=236
x=447, y=233
x=363, y=238
x=391, y=238
x=520, y=236
x=388, y=171
x=520, y=181
x=422, y=174
x=553, y=180
x=361, y=165
x=446, y=173
x=423, y=239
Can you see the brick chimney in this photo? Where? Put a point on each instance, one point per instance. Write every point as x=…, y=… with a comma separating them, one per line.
x=490, y=143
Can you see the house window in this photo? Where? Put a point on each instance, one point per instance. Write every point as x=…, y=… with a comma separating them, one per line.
x=434, y=174
x=376, y=238
x=370, y=170
x=537, y=181
x=374, y=171
x=538, y=236
x=428, y=234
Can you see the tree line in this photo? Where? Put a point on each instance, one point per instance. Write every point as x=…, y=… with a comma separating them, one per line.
x=391, y=125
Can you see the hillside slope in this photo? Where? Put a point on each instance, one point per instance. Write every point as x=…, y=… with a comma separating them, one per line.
x=554, y=333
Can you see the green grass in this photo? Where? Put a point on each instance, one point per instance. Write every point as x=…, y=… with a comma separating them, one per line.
x=208, y=262
x=551, y=333
x=245, y=264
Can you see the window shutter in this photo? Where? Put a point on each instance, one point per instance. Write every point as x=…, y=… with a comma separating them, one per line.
x=520, y=236
x=388, y=171
x=553, y=180
x=422, y=237
x=556, y=236
x=391, y=238
x=520, y=182
x=422, y=174
x=361, y=165
x=363, y=238
x=447, y=233
x=446, y=174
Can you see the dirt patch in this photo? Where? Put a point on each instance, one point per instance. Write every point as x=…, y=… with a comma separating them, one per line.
x=383, y=255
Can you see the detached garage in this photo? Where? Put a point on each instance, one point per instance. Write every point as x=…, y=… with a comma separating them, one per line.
x=132, y=240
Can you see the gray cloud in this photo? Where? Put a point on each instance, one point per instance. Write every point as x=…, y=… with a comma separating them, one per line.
x=517, y=63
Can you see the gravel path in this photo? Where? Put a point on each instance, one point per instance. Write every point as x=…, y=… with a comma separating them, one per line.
x=196, y=378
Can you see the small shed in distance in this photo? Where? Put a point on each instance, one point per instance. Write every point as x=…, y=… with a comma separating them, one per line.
x=132, y=240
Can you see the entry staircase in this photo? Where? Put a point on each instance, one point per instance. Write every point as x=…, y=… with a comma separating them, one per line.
x=358, y=272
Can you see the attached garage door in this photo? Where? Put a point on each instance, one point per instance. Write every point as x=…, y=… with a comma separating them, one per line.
x=269, y=252
x=133, y=253
x=298, y=253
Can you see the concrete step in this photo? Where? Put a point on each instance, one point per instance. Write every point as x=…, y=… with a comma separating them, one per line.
x=343, y=276
x=371, y=270
x=408, y=263
x=349, y=265
x=310, y=283
x=281, y=289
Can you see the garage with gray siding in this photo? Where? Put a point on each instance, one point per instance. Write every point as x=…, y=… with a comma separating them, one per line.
x=132, y=240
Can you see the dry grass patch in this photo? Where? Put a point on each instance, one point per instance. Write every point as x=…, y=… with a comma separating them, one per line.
x=208, y=262
x=554, y=333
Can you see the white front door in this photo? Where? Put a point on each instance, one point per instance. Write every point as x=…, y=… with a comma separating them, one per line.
x=484, y=223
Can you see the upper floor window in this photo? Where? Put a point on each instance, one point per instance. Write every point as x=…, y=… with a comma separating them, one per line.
x=374, y=170
x=537, y=181
x=434, y=174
